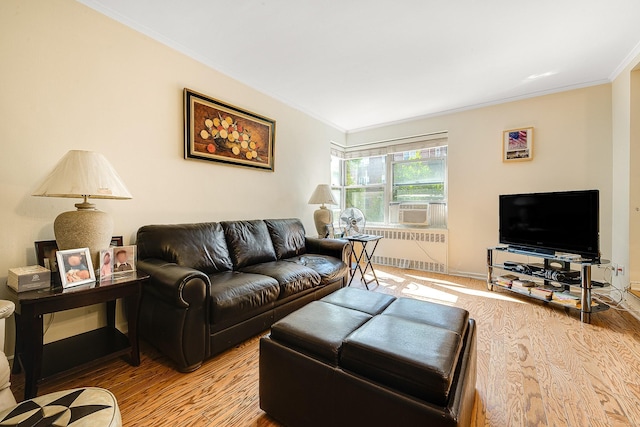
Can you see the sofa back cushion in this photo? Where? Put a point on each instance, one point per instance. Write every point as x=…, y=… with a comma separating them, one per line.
x=288, y=237
x=201, y=246
x=248, y=242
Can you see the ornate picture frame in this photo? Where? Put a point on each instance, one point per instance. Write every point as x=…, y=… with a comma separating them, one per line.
x=517, y=145
x=219, y=132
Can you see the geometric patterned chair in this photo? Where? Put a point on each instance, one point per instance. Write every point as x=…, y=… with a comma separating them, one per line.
x=82, y=407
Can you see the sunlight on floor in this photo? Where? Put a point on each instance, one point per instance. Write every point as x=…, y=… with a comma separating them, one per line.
x=419, y=290
x=464, y=290
x=387, y=280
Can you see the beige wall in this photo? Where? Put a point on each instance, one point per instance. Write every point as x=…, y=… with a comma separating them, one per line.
x=572, y=150
x=626, y=156
x=75, y=79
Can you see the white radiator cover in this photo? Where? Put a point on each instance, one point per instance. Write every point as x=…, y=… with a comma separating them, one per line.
x=417, y=249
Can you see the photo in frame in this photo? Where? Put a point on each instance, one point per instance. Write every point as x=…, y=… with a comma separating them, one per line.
x=220, y=132
x=46, y=256
x=117, y=261
x=517, y=145
x=75, y=267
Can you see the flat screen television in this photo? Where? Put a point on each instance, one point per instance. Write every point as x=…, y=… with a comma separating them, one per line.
x=552, y=222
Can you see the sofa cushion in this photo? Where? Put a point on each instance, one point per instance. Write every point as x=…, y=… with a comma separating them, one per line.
x=234, y=294
x=453, y=318
x=248, y=242
x=411, y=357
x=358, y=299
x=288, y=237
x=293, y=278
x=329, y=268
x=319, y=329
x=201, y=246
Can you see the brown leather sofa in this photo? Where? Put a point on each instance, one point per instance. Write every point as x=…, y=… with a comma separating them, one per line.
x=213, y=285
x=364, y=358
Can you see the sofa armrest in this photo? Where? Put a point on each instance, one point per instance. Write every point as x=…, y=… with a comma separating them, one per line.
x=333, y=247
x=180, y=286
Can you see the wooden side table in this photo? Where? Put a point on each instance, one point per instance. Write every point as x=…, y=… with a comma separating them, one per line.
x=363, y=255
x=70, y=355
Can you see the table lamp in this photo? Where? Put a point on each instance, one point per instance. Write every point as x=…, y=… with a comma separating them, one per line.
x=322, y=216
x=84, y=175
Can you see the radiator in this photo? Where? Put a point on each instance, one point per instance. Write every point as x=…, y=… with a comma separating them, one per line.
x=416, y=249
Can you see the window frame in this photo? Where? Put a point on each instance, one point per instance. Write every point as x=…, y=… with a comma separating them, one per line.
x=388, y=184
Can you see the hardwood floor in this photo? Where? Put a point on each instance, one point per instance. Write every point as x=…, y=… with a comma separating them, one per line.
x=537, y=366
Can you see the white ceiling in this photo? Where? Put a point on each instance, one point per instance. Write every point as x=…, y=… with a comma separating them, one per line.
x=360, y=63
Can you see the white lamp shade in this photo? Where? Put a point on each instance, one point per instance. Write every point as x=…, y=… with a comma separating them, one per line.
x=82, y=174
x=322, y=195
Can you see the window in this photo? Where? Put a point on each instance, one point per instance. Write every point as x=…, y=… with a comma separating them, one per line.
x=365, y=180
x=386, y=187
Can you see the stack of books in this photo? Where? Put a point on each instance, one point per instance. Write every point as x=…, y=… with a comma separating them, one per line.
x=542, y=293
x=566, y=298
x=523, y=286
x=506, y=280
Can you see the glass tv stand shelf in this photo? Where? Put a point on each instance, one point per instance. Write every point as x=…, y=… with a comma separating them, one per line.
x=553, y=279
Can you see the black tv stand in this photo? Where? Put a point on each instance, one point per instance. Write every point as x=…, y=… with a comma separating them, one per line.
x=542, y=275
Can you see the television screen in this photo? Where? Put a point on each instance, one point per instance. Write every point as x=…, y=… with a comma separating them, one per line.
x=550, y=222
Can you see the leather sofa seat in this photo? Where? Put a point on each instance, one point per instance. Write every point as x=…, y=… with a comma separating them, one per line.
x=236, y=296
x=293, y=278
x=328, y=267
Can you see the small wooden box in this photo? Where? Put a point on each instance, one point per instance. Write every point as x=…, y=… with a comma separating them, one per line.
x=29, y=278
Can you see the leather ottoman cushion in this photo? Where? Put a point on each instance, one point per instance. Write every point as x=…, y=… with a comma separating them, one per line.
x=329, y=268
x=318, y=329
x=288, y=237
x=411, y=357
x=234, y=294
x=293, y=278
x=452, y=318
x=248, y=242
x=200, y=246
x=358, y=299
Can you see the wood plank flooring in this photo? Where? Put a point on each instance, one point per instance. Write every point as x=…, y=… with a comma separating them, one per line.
x=537, y=366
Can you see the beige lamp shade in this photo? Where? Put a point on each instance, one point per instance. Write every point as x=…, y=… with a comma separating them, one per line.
x=85, y=175
x=322, y=216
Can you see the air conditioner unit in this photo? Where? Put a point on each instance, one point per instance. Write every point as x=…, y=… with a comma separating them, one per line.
x=414, y=214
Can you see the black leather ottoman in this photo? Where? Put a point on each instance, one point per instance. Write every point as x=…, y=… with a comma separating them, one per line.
x=361, y=358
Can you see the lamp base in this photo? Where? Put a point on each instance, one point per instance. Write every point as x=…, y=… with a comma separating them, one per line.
x=322, y=217
x=86, y=228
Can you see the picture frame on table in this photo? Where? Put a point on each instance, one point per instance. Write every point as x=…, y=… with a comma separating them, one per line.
x=517, y=145
x=219, y=132
x=75, y=267
x=118, y=262
x=46, y=256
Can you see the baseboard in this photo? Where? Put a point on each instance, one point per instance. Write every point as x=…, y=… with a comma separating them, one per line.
x=632, y=303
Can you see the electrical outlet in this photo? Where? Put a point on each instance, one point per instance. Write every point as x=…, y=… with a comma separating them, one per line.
x=618, y=269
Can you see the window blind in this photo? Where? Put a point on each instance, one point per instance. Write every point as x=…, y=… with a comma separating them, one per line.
x=390, y=146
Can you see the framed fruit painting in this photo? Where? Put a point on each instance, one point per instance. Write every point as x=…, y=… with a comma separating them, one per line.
x=220, y=132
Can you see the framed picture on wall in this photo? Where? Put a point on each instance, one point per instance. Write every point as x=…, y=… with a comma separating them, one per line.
x=220, y=132
x=517, y=145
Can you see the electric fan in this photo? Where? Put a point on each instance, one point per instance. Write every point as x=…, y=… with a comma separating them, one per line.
x=352, y=221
